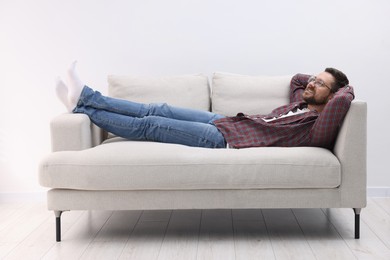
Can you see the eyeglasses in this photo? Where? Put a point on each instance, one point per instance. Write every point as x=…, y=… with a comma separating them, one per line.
x=318, y=83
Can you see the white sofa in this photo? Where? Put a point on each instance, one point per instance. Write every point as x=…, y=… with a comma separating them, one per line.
x=90, y=170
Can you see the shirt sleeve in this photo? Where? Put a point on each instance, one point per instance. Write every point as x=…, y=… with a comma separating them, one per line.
x=326, y=127
x=297, y=87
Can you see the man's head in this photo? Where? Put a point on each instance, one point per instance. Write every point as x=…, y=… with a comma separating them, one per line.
x=321, y=88
x=340, y=79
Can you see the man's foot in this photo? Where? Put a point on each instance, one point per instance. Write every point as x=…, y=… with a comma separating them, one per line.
x=62, y=93
x=75, y=85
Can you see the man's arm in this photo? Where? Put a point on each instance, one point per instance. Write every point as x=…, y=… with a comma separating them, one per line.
x=326, y=127
x=297, y=86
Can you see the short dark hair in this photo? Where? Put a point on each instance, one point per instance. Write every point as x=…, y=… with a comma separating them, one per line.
x=340, y=78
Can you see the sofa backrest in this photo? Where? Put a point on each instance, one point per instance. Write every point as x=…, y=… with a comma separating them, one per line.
x=252, y=95
x=229, y=94
x=190, y=91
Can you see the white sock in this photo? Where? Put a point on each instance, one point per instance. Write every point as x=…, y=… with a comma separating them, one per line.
x=62, y=93
x=75, y=85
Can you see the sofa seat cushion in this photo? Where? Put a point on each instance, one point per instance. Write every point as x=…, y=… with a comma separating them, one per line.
x=119, y=164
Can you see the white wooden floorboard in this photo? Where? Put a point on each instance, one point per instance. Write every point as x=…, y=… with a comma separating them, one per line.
x=27, y=231
x=77, y=239
x=369, y=246
x=287, y=239
x=156, y=215
x=384, y=203
x=147, y=237
x=216, y=239
x=42, y=238
x=7, y=210
x=146, y=240
x=250, y=235
x=181, y=239
x=247, y=215
x=18, y=228
x=10, y=214
x=325, y=242
x=112, y=238
x=378, y=220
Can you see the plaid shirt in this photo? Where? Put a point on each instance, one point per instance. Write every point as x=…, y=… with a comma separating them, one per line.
x=306, y=129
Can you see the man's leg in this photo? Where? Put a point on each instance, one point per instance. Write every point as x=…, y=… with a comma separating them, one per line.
x=154, y=128
x=77, y=94
x=91, y=98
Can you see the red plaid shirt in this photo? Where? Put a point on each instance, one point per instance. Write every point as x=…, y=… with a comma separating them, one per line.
x=306, y=129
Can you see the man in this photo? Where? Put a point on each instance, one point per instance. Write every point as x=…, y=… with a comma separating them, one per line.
x=318, y=105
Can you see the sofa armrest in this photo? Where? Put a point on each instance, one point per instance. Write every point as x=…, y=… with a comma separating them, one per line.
x=351, y=150
x=74, y=132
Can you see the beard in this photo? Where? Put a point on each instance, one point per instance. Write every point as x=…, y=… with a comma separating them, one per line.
x=311, y=100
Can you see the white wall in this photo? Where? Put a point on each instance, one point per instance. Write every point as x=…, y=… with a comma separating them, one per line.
x=40, y=38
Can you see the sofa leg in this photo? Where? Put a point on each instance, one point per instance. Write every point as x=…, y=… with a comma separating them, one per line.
x=58, y=213
x=357, y=222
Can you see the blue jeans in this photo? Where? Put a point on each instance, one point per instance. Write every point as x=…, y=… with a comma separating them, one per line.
x=151, y=122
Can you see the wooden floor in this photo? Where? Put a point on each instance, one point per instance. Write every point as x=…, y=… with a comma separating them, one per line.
x=27, y=231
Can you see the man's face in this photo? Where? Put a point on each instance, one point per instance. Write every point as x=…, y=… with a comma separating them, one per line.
x=318, y=91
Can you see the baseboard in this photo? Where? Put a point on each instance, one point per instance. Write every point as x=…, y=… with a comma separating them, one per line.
x=378, y=192
x=41, y=195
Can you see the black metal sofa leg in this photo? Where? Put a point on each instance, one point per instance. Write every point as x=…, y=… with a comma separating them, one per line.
x=357, y=222
x=58, y=213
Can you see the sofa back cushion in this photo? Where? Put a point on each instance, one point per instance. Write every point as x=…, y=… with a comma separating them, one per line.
x=190, y=91
x=234, y=93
